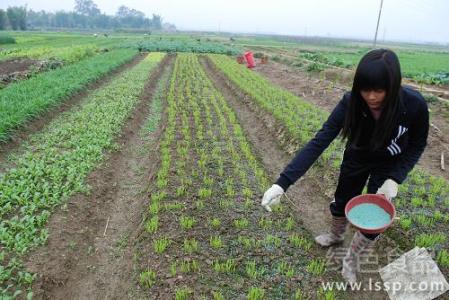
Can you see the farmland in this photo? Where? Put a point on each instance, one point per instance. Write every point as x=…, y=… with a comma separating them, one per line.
x=147, y=184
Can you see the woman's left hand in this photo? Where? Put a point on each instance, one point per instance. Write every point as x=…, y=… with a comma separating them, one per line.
x=389, y=188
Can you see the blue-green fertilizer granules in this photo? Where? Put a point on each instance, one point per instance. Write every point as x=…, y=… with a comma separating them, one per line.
x=369, y=216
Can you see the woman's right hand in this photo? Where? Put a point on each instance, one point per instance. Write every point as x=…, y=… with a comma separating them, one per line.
x=272, y=197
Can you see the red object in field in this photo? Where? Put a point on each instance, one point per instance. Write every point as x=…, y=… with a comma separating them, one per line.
x=250, y=59
x=376, y=199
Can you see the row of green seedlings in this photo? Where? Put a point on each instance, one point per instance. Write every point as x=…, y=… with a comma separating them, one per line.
x=205, y=192
x=424, y=201
x=28, y=98
x=186, y=223
x=157, y=105
x=183, y=45
x=316, y=266
x=54, y=165
x=300, y=118
x=57, y=47
x=424, y=191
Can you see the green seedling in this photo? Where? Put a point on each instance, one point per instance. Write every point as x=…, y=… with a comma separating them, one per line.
x=189, y=266
x=289, y=224
x=173, y=268
x=271, y=240
x=147, y=278
x=300, y=241
x=161, y=183
x=204, y=193
x=265, y=223
x=190, y=245
x=249, y=204
x=187, y=222
x=438, y=216
x=183, y=293
x=424, y=220
x=298, y=295
x=249, y=243
x=325, y=295
x=241, y=223
x=230, y=192
x=247, y=193
x=152, y=224
x=208, y=181
x=215, y=223
x=285, y=269
x=159, y=196
x=316, y=267
x=160, y=245
x=227, y=266
x=181, y=191
x=154, y=208
x=256, y=293
x=215, y=242
x=417, y=202
x=252, y=271
x=199, y=204
x=225, y=203
x=443, y=258
x=405, y=223
x=218, y=296
x=429, y=240
x=174, y=206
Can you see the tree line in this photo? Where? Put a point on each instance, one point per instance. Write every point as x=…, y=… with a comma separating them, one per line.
x=86, y=15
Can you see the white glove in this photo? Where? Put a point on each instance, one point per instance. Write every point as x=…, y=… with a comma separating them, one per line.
x=389, y=189
x=272, y=196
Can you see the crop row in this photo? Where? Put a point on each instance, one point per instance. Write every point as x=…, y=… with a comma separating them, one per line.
x=68, y=49
x=423, y=67
x=205, y=234
x=23, y=100
x=54, y=165
x=184, y=45
x=423, y=201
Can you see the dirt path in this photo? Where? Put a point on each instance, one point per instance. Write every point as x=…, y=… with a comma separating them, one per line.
x=21, y=135
x=323, y=93
x=89, y=253
x=312, y=193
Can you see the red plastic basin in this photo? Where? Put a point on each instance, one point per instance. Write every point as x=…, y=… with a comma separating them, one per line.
x=376, y=199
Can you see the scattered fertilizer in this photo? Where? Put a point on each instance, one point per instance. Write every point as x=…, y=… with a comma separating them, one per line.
x=369, y=216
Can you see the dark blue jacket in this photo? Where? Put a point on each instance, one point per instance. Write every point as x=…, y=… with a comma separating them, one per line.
x=406, y=145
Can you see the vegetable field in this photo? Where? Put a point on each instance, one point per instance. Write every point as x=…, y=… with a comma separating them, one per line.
x=137, y=173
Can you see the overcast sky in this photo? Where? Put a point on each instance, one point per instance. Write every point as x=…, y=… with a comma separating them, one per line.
x=405, y=20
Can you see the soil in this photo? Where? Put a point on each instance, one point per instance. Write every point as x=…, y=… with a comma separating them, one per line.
x=37, y=124
x=311, y=195
x=10, y=66
x=325, y=94
x=89, y=252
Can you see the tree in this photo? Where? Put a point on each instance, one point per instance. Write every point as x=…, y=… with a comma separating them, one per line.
x=156, y=22
x=3, y=19
x=17, y=17
x=87, y=8
x=130, y=17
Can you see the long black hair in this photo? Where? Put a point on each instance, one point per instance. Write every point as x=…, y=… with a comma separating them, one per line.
x=378, y=69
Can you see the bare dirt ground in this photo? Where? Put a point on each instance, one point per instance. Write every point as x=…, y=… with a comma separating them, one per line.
x=89, y=252
x=312, y=193
x=15, y=65
x=21, y=135
x=326, y=94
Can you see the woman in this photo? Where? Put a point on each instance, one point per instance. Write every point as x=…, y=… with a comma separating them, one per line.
x=386, y=127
